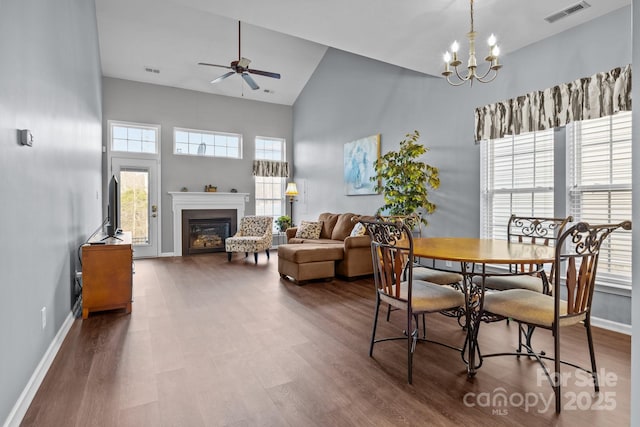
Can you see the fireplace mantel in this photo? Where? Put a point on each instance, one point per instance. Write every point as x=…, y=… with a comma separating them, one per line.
x=187, y=200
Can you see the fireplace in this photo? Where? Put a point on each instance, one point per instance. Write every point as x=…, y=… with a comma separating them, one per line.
x=205, y=230
x=221, y=205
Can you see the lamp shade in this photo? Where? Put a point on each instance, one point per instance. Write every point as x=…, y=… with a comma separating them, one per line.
x=292, y=189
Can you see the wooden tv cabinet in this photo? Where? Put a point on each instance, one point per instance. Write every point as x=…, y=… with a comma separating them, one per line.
x=107, y=274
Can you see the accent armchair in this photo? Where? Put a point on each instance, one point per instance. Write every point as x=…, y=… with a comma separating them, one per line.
x=254, y=235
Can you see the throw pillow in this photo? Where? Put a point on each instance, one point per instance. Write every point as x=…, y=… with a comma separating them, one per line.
x=309, y=230
x=343, y=227
x=358, y=230
x=329, y=221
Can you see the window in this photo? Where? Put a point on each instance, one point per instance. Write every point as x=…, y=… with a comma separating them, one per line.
x=516, y=177
x=270, y=190
x=205, y=143
x=134, y=138
x=599, y=181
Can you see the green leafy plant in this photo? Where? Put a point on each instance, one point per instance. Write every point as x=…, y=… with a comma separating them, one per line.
x=283, y=222
x=405, y=180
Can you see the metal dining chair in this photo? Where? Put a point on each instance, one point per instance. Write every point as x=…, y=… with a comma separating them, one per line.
x=392, y=255
x=576, y=263
x=534, y=230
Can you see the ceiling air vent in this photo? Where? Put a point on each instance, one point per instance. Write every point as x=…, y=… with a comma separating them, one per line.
x=567, y=11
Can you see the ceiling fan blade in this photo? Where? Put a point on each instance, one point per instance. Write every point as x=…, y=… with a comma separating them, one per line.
x=214, y=65
x=224, y=76
x=252, y=84
x=264, y=73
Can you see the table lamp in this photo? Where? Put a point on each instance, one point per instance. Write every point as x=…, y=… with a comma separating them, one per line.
x=291, y=191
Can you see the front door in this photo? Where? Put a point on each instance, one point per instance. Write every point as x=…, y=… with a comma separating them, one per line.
x=139, y=207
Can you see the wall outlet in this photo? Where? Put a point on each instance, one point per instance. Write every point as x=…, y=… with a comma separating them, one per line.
x=44, y=317
x=448, y=264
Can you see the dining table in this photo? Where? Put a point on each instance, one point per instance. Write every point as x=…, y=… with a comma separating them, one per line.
x=473, y=255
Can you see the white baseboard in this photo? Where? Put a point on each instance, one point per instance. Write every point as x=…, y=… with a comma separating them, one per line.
x=622, y=328
x=167, y=254
x=20, y=408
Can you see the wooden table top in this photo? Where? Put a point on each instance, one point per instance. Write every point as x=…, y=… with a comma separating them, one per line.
x=490, y=251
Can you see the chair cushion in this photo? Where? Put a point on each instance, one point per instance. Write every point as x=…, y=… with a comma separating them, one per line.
x=343, y=227
x=502, y=283
x=245, y=244
x=309, y=230
x=430, y=297
x=436, y=276
x=524, y=305
x=328, y=222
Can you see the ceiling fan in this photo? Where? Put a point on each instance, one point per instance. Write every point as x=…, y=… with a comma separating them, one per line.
x=241, y=66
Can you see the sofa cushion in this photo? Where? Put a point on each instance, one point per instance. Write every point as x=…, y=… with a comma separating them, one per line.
x=309, y=230
x=343, y=227
x=328, y=223
x=314, y=241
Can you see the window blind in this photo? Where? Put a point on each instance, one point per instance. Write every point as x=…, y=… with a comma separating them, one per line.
x=516, y=178
x=599, y=181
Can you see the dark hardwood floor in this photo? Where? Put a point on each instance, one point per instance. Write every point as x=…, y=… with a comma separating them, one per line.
x=215, y=343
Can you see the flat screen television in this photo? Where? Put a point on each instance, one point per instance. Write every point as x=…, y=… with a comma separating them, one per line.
x=113, y=221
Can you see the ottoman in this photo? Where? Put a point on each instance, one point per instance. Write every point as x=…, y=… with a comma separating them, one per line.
x=304, y=262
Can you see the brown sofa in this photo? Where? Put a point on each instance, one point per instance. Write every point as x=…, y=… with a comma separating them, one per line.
x=336, y=233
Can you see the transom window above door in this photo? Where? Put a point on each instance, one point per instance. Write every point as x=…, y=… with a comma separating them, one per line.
x=133, y=137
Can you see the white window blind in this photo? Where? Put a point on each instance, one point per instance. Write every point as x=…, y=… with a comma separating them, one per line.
x=270, y=190
x=599, y=181
x=516, y=178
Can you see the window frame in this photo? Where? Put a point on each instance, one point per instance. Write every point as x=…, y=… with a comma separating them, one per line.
x=213, y=133
x=150, y=126
x=488, y=227
x=607, y=283
x=575, y=191
x=283, y=207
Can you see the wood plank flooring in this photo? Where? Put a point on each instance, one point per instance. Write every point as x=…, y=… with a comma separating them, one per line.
x=213, y=343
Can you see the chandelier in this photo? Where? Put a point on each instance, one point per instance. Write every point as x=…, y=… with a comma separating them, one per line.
x=451, y=60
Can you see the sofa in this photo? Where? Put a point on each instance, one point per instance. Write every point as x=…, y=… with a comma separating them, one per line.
x=336, y=249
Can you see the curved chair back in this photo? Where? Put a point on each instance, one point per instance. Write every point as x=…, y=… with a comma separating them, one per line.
x=535, y=230
x=391, y=251
x=256, y=225
x=577, y=252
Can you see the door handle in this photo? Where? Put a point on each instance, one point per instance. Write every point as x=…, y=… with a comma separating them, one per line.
x=154, y=208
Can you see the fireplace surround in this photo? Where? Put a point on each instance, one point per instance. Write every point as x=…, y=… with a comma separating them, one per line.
x=185, y=201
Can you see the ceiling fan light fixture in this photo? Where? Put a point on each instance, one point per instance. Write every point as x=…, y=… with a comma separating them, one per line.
x=241, y=66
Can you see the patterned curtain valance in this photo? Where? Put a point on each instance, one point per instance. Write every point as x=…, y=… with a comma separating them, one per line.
x=270, y=168
x=602, y=94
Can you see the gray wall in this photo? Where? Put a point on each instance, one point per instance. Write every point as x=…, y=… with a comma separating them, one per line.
x=51, y=201
x=172, y=107
x=350, y=97
x=635, y=337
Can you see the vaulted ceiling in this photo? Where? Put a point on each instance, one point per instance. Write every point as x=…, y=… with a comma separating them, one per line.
x=161, y=41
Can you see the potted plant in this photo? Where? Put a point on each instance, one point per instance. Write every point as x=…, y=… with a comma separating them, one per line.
x=283, y=222
x=405, y=180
